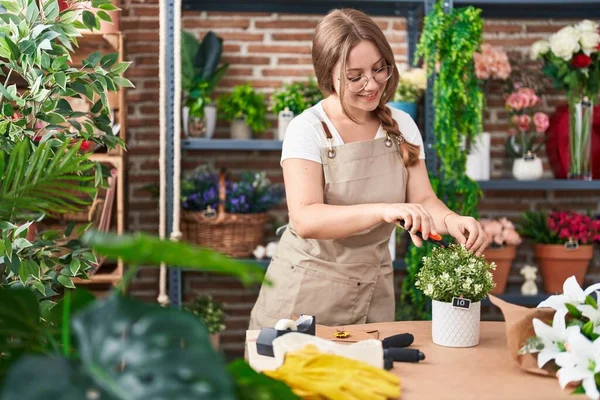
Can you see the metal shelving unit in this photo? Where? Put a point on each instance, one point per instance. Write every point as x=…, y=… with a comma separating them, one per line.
x=231, y=144
x=413, y=10
x=544, y=184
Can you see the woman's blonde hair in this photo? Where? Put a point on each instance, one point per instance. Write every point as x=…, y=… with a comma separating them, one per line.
x=336, y=34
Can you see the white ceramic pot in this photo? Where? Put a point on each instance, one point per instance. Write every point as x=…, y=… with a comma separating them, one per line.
x=455, y=327
x=284, y=119
x=210, y=117
x=240, y=130
x=478, y=159
x=527, y=169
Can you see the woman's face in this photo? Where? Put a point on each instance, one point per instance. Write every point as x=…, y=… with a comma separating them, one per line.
x=364, y=60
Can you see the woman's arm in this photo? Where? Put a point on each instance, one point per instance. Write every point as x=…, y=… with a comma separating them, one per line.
x=313, y=219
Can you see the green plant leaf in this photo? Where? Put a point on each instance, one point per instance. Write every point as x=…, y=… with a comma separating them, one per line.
x=120, y=67
x=68, y=17
x=11, y=6
x=103, y=15
x=66, y=281
x=573, y=311
x=61, y=79
x=142, y=249
x=250, y=385
x=123, y=82
x=159, y=347
x=89, y=20
x=109, y=59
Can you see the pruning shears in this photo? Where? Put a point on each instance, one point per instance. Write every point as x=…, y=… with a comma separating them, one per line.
x=434, y=239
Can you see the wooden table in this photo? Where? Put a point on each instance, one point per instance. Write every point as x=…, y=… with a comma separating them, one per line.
x=483, y=372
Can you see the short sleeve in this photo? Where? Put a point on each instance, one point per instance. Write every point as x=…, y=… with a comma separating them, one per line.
x=302, y=141
x=409, y=129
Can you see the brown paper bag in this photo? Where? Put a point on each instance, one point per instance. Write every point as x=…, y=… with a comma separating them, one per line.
x=519, y=327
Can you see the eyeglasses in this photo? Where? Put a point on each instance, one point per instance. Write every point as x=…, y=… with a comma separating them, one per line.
x=382, y=75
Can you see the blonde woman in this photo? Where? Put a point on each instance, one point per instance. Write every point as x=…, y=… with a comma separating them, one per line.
x=352, y=168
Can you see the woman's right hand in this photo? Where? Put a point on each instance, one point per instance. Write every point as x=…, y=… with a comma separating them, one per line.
x=415, y=218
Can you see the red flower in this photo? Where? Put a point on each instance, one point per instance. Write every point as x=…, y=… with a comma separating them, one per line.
x=581, y=61
x=86, y=145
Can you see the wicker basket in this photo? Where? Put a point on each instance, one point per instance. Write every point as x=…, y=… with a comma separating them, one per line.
x=235, y=235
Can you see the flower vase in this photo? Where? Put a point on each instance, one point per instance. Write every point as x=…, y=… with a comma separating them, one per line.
x=240, y=130
x=455, y=327
x=528, y=168
x=580, y=133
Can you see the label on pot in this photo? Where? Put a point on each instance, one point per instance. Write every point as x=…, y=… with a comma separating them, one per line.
x=528, y=157
x=572, y=245
x=459, y=302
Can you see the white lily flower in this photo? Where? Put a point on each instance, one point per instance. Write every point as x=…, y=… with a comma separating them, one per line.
x=572, y=293
x=593, y=314
x=553, y=337
x=580, y=363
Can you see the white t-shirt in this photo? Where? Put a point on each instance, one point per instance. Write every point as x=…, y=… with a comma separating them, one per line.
x=304, y=136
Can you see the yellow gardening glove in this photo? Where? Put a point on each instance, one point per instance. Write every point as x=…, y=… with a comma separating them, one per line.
x=316, y=375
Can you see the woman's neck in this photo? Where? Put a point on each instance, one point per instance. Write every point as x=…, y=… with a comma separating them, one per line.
x=333, y=108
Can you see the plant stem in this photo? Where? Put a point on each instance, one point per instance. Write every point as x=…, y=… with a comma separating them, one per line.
x=66, y=323
x=6, y=82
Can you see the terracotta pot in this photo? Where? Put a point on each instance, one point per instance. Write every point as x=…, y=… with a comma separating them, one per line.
x=215, y=340
x=557, y=264
x=503, y=257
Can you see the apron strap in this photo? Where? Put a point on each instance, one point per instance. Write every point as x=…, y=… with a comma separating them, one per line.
x=329, y=137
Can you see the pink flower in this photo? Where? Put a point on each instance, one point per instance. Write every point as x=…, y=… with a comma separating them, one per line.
x=511, y=237
x=541, y=122
x=516, y=101
x=529, y=95
x=524, y=122
x=491, y=63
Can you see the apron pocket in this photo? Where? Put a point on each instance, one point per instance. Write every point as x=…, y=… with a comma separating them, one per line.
x=276, y=300
x=331, y=298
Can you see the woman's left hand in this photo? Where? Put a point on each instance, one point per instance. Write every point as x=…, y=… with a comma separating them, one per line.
x=467, y=231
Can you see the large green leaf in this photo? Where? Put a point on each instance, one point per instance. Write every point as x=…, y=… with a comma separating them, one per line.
x=20, y=329
x=55, y=378
x=144, y=351
x=250, y=385
x=142, y=249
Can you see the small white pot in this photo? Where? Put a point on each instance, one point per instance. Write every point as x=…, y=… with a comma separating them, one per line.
x=284, y=119
x=478, y=159
x=455, y=327
x=240, y=130
x=210, y=118
x=528, y=169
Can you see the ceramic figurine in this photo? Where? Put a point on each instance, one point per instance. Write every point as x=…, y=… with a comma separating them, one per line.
x=259, y=252
x=271, y=249
x=529, y=287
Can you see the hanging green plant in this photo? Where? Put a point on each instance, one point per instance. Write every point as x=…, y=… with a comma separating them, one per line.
x=447, y=45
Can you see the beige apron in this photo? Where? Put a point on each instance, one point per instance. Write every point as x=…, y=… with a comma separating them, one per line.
x=341, y=281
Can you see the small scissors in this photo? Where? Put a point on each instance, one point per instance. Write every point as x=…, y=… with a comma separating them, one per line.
x=435, y=239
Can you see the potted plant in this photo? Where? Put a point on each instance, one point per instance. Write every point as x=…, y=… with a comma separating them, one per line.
x=211, y=313
x=246, y=110
x=570, y=58
x=200, y=74
x=523, y=141
x=292, y=100
x=503, y=240
x=456, y=280
x=230, y=221
x=411, y=87
x=562, y=244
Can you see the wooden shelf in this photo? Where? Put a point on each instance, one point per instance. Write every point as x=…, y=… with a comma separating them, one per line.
x=544, y=184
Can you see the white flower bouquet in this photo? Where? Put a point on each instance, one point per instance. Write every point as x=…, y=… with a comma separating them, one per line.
x=455, y=272
x=560, y=337
x=412, y=84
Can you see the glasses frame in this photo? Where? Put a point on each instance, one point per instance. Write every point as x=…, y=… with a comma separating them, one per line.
x=390, y=67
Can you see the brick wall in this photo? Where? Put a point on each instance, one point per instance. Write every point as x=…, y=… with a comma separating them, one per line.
x=268, y=50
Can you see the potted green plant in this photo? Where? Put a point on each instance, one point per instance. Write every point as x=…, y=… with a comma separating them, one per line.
x=200, y=74
x=563, y=244
x=411, y=87
x=211, y=313
x=503, y=240
x=245, y=109
x=292, y=99
x=456, y=280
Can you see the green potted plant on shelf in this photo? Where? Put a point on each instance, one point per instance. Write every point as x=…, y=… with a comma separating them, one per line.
x=456, y=280
x=245, y=109
x=411, y=87
x=200, y=74
x=292, y=99
x=563, y=244
x=210, y=312
x=503, y=240
x=45, y=164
